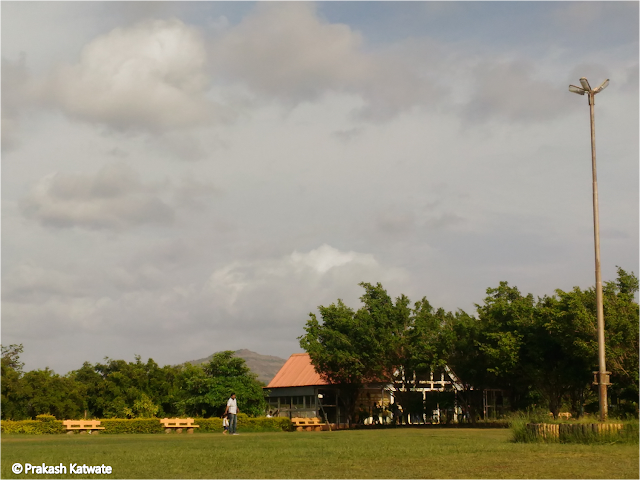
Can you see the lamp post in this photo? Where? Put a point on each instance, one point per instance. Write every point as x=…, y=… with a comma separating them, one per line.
x=601, y=377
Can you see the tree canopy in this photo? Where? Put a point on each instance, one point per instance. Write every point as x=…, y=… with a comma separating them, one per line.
x=120, y=389
x=540, y=351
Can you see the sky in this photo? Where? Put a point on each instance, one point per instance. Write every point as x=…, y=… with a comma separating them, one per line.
x=180, y=178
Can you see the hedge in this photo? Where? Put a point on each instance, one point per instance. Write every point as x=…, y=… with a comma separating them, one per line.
x=49, y=425
x=131, y=425
x=42, y=425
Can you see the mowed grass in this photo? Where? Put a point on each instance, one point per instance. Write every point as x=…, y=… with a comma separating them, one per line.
x=393, y=453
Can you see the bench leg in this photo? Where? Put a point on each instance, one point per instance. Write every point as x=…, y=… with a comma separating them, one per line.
x=189, y=430
x=95, y=432
x=83, y=432
x=70, y=432
x=178, y=430
x=168, y=430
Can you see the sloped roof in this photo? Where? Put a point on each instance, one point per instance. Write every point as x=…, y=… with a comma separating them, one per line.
x=297, y=372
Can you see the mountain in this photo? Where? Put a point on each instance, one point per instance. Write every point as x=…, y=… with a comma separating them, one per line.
x=265, y=366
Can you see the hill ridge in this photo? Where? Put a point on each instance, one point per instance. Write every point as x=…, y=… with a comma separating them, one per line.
x=265, y=366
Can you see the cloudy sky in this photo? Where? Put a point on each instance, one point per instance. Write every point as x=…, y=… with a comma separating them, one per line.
x=180, y=178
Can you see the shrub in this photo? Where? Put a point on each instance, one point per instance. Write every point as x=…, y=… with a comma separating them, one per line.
x=33, y=427
x=519, y=420
x=246, y=423
x=213, y=424
x=131, y=425
x=47, y=424
x=264, y=424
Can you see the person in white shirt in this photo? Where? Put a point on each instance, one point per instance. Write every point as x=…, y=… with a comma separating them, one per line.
x=232, y=412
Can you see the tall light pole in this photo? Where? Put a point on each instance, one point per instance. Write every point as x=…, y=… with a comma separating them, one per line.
x=601, y=376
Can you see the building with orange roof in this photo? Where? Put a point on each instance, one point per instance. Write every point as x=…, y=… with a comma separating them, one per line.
x=298, y=390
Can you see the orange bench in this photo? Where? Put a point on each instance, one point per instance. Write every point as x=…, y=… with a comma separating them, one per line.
x=178, y=424
x=308, y=424
x=82, y=426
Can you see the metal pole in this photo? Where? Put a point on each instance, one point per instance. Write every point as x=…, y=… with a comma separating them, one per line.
x=602, y=373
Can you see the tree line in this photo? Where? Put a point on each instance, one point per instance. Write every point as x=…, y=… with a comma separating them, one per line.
x=120, y=389
x=540, y=351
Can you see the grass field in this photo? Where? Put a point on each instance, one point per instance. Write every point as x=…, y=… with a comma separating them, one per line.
x=398, y=453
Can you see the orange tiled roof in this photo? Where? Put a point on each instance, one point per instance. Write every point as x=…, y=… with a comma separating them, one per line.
x=297, y=372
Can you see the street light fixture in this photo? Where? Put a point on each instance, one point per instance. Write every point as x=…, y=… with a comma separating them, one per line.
x=601, y=376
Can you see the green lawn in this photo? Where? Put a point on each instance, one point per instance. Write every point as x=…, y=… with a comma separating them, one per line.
x=397, y=453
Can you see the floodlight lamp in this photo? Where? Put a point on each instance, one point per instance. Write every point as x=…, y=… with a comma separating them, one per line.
x=578, y=90
x=585, y=84
x=602, y=86
x=320, y=395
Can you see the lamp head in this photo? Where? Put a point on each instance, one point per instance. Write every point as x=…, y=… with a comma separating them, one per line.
x=578, y=90
x=602, y=86
x=585, y=84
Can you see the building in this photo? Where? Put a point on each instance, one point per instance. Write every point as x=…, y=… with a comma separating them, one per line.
x=298, y=390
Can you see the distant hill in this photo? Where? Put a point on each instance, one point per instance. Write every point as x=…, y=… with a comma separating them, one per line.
x=265, y=366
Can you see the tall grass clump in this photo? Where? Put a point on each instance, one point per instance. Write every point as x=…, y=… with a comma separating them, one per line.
x=518, y=424
x=573, y=430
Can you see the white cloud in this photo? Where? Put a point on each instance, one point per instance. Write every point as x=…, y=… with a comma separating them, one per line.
x=112, y=199
x=285, y=289
x=149, y=76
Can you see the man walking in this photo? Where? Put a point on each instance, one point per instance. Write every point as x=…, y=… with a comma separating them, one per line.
x=232, y=412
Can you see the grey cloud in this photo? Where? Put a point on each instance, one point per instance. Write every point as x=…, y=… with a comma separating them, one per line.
x=112, y=199
x=595, y=73
x=180, y=146
x=443, y=220
x=346, y=136
x=509, y=91
x=284, y=51
x=271, y=298
x=592, y=22
x=396, y=222
x=631, y=83
x=136, y=11
x=192, y=193
x=14, y=96
x=29, y=283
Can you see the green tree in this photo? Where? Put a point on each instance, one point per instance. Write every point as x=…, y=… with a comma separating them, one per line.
x=383, y=341
x=12, y=398
x=44, y=391
x=120, y=389
x=207, y=388
x=621, y=335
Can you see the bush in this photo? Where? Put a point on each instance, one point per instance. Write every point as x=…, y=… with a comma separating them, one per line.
x=247, y=424
x=264, y=424
x=33, y=427
x=47, y=424
x=213, y=424
x=519, y=420
x=131, y=425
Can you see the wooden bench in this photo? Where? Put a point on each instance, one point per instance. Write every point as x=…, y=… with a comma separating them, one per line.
x=308, y=424
x=82, y=426
x=178, y=424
